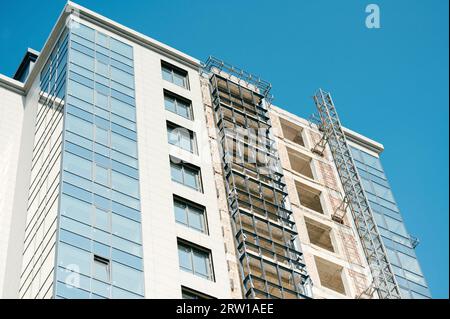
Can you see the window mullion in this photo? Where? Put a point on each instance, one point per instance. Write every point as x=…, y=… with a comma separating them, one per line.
x=191, y=254
x=187, y=216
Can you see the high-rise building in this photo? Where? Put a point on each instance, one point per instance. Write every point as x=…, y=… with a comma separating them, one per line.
x=132, y=170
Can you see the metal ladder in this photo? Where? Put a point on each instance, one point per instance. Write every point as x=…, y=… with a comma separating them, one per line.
x=384, y=280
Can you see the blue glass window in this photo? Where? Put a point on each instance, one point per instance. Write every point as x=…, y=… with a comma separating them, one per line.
x=123, y=109
x=81, y=91
x=126, y=228
x=123, y=294
x=127, y=278
x=101, y=135
x=102, y=175
x=75, y=227
x=102, y=39
x=75, y=259
x=124, y=184
x=122, y=77
x=82, y=59
x=121, y=48
x=78, y=165
x=178, y=106
x=175, y=75
x=83, y=31
x=195, y=260
x=102, y=68
x=190, y=215
x=100, y=269
x=82, y=71
x=181, y=137
x=126, y=245
x=186, y=175
x=66, y=290
x=123, y=144
x=101, y=100
x=101, y=289
x=102, y=219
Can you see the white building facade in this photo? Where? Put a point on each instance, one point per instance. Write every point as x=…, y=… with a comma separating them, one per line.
x=113, y=184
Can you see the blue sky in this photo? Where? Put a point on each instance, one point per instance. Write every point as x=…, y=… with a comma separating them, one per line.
x=390, y=84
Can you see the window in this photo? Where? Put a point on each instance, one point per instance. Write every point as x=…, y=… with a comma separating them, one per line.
x=175, y=75
x=187, y=293
x=396, y=226
x=330, y=275
x=383, y=192
x=409, y=263
x=123, y=144
x=181, y=137
x=81, y=91
x=82, y=59
x=102, y=219
x=127, y=278
x=123, y=109
x=292, y=132
x=76, y=209
x=185, y=174
x=121, y=48
x=77, y=165
x=372, y=161
x=126, y=228
x=74, y=259
x=101, y=268
x=195, y=260
x=84, y=31
x=319, y=234
x=309, y=197
x=190, y=215
x=300, y=163
x=122, y=77
x=124, y=184
x=102, y=175
x=178, y=105
x=79, y=126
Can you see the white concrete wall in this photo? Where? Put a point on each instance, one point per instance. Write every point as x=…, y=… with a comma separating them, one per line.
x=41, y=223
x=11, y=120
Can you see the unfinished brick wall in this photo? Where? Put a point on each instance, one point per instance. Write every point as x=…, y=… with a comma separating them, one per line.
x=360, y=282
x=227, y=232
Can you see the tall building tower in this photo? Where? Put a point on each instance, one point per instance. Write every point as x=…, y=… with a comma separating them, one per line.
x=132, y=170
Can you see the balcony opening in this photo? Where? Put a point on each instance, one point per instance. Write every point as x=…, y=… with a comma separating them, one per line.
x=309, y=197
x=330, y=275
x=300, y=163
x=292, y=132
x=319, y=234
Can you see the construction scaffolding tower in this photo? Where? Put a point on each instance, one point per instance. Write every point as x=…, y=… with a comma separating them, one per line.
x=270, y=261
x=384, y=281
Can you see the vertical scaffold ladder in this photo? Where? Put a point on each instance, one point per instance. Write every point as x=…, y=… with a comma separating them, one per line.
x=384, y=280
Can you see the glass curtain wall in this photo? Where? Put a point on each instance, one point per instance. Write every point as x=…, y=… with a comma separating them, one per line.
x=99, y=248
x=398, y=242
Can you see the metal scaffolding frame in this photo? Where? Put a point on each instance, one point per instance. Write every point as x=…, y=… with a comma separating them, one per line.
x=384, y=280
x=242, y=77
x=270, y=261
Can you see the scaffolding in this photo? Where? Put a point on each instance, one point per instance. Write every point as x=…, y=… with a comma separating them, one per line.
x=384, y=281
x=270, y=261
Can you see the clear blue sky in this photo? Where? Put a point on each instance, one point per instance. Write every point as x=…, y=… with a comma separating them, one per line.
x=390, y=84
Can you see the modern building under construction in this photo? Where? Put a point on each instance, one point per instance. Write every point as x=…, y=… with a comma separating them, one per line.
x=132, y=170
